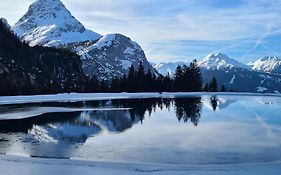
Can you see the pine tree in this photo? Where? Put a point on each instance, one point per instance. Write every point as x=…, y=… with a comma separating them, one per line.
x=123, y=83
x=140, y=79
x=195, y=77
x=131, y=79
x=178, y=79
x=92, y=85
x=167, y=83
x=223, y=89
x=206, y=87
x=214, y=85
x=103, y=86
x=115, y=85
x=149, y=80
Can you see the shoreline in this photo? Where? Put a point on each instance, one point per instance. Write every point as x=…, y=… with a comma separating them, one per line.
x=77, y=97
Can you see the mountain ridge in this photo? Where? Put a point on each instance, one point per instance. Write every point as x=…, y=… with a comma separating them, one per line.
x=267, y=65
x=233, y=74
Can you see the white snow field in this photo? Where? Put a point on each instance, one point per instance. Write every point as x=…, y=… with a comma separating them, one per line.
x=16, y=165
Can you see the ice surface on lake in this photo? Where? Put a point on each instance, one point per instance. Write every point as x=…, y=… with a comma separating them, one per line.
x=186, y=130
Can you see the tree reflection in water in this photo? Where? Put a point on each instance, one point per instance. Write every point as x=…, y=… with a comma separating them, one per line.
x=214, y=103
x=141, y=106
x=188, y=109
x=78, y=126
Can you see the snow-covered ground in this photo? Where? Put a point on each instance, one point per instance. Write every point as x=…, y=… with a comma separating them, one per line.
x=75, y=97
x=15, y=165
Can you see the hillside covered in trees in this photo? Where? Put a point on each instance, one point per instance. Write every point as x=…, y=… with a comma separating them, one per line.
x=36, y=70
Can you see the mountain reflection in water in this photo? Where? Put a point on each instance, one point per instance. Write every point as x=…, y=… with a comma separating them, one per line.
x=118, y=120
x=72, y=128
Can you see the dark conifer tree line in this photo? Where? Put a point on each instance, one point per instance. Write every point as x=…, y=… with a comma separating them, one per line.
x=186, y=79
x=213, y=86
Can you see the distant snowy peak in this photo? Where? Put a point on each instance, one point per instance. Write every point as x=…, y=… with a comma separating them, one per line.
x=168, y=68
x=267, y=64
x=219, y=61
x=49, y=23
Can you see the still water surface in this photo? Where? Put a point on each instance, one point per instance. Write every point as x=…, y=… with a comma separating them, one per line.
x=185, y=130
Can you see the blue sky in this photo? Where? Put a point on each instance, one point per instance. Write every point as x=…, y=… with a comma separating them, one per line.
x=180, y=30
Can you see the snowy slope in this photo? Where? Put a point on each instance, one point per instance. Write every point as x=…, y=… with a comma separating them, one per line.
x=111, y=56
x=267, y=64
x=219, y=61
x=50, y=24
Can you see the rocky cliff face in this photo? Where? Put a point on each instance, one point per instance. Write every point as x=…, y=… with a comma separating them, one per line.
x=49, y=23
x=34, y=70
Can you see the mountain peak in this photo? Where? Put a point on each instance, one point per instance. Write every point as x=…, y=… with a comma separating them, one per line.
x=52, y=19
x=219, y=61
x=216, y=56
x=267, y=64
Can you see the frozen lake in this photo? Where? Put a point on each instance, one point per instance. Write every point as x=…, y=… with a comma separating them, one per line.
x=201, y=130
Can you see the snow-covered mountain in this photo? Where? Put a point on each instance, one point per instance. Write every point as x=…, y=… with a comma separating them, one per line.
x=267, y=64
x=216, y=61
x=49, y=23
x=233, y=74
x=219, y=61
x=168, y=68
